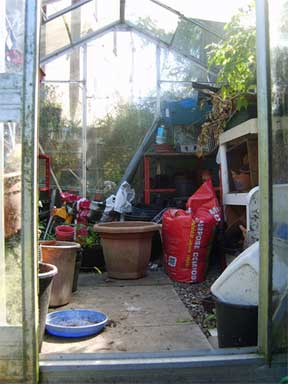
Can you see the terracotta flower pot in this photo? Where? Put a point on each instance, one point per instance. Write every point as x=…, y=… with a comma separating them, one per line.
x=126, y=247
x=63, y=256
x=241, y=181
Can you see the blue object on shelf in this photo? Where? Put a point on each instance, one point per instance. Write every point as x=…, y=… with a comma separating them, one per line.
x=75, y=322
x=185, y=111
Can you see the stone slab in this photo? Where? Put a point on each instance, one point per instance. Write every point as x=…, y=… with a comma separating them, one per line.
x=144, y=316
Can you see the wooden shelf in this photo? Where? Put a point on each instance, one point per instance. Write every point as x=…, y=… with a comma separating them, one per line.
x=249, y=127
x=236, y=143
x=159, y=190
x=171, y=154
x=158, y=156
x=235, y=198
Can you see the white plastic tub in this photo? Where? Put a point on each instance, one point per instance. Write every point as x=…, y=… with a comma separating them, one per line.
x=239, y=282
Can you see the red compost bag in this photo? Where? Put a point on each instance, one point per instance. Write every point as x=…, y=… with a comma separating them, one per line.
x=187, y=236
x=205, y=198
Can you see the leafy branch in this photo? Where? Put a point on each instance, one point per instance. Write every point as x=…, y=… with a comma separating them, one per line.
x=235, y=56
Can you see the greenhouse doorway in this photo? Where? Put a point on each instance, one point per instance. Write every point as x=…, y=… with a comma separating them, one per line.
x=92, y=138
x=89, y=367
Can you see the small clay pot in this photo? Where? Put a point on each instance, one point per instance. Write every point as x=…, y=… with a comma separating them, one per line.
x=241, y=181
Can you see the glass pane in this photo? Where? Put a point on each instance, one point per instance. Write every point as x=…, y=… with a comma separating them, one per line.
x=120, y=66
x=54, y=35
x=11, y=60
x=152, y=17
x=279, y=75
x=176, y=67
x=12, y=223
x=65, y=68
x=190, y=39
x=121, y=104
x=51, y=7
x=112, y=141
x=76, y=24
x=220, y=10
x=11, y=35
x=173, y=91
x=61, y=132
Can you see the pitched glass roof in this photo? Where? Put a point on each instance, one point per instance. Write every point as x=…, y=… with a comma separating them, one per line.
x=67, y=24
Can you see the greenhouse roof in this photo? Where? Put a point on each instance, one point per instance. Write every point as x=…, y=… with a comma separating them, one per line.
x=66, y=26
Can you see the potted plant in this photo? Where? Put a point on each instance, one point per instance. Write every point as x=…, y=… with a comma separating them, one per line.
x=92, y=253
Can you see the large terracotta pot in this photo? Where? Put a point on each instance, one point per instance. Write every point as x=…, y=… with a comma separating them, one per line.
x=126, y=247
x=12, y=203
x=62, y=254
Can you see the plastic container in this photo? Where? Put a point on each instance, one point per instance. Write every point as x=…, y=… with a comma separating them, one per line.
x=237, y=325
x=236, y=297
x=75, y=322
x=63, y=256
x=45, y=275
x=238, y=284
x=64, y=233
x=161, y=135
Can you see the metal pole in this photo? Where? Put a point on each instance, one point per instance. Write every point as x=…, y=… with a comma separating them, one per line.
x=189, y=20
x=158, y=80
x=2, y=191
x=29, y=231
x=265, y=178
x=65, y=10
x=84, y=123
x=122, y=11
x=62, y=81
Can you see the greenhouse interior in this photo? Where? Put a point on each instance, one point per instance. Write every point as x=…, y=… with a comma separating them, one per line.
x=144, y=219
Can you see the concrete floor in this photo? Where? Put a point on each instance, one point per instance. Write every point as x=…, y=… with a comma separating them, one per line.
x=146, y=315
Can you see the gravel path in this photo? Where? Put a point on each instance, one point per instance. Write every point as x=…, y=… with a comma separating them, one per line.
x=192, y=296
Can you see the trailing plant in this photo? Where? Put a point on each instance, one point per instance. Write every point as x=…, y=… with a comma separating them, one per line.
x=222, y=110
x=235, y=56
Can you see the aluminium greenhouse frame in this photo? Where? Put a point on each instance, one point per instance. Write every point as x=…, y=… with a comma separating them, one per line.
x=222, y=366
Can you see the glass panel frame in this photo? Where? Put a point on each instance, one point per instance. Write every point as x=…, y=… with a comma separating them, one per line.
x=75, y=23
x=279, y=105
x=191, y=39
x=19, y=343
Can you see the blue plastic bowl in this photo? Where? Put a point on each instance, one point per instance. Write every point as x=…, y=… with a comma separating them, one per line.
x=75, y=322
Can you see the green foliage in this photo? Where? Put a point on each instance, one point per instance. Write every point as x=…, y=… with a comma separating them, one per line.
x=235, y=56
x=41, y=231
x=92, y=239
x=118, y=135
